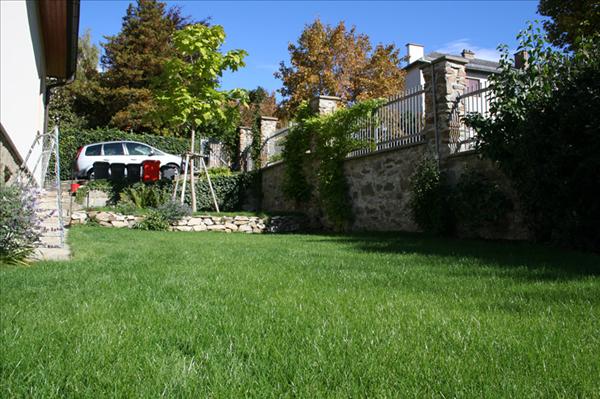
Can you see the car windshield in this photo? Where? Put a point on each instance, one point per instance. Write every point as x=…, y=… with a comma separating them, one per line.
x=138, y=149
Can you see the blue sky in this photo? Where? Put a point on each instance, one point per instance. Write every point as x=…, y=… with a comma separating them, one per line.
x=264, y=28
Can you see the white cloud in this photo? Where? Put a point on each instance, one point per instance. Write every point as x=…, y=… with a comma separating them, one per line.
x=458, y=45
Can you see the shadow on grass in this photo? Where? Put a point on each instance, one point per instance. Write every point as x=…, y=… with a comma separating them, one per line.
x=515, y=259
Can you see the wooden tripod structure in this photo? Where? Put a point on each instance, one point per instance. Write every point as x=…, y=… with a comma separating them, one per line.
x=189, y=165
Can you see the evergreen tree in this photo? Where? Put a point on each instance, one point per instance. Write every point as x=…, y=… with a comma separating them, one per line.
x=133, y=58
x=74, y=105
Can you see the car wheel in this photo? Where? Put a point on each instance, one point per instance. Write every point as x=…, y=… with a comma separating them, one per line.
x=90, y=174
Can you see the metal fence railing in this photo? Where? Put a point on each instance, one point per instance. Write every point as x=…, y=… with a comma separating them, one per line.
x=398, y=122
x=273, y=145
x=462, y=137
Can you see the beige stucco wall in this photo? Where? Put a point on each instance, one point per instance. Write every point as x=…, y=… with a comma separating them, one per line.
x=22, y=85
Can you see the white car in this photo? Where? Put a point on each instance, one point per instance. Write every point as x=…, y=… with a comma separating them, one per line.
x=122, y=152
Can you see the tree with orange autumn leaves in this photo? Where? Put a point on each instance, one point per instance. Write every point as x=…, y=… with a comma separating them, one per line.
x=336, y=61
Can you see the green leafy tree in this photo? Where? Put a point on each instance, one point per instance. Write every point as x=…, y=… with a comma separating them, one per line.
x=570, y=20
x=71, y=106
x=132, y=59
x=543, y=132
x=188, y=89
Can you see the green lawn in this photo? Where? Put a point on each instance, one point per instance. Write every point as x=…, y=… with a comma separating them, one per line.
x=152, y=314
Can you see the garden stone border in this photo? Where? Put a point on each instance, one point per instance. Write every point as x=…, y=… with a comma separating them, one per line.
x=227, y=224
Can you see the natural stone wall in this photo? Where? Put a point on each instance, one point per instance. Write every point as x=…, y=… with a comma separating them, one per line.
x=273, y=199
x=227, y=224
x=379, y=186
x=379, y=189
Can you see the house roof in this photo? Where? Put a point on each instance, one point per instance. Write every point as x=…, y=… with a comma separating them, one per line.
x=475, y=64
x=60, y=29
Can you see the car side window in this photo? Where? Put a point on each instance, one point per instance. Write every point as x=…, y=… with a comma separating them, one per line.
x=113, y=149
x=94, y=150
x=138, y=149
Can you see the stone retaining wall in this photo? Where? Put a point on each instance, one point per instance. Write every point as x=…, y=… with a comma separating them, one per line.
x=227, y=224
x=379, y=190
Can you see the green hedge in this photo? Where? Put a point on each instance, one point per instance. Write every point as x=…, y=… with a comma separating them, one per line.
x=71, y=140
x=232, y=192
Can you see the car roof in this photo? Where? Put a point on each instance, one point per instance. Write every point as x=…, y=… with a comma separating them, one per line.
x=117, y=141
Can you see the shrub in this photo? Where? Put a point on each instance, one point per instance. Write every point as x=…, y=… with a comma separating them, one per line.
x=479, y=202
x=543, y=133
x=219, y=171
x=154, y=220
x=72, y=139
x=19, y=225
x=146, y=195
x=429, y=201
x=231, y=191
x=173, y=211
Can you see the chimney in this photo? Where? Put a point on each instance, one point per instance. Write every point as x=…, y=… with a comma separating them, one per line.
x=414, y=52
x=521, y=59
x=468, y=54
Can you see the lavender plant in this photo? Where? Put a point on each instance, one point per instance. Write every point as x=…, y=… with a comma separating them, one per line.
x=19, y=224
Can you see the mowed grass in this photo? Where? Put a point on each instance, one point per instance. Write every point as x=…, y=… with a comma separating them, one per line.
x=151, y=314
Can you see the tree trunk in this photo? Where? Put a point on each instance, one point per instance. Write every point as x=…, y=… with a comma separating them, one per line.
x=192, y=185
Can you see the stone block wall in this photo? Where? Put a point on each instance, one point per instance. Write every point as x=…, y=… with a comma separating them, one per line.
x=379, y=188
x=225, y=224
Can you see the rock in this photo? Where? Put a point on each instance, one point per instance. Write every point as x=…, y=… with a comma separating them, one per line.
x=182, y=222
x=105, y=224
x=231, y=226
x=245, y=228
x=92, y=214
x=120, y=217
x=208, y=221
x=215, y=227
x=103, y=217
x=183, y=228
x=195, y=222
x=120, y=223
x=199, y=227
x=79, y=216
x=241, y=218
x=240, y=222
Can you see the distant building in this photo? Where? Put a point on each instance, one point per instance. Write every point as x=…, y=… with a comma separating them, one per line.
x=478, y=70
x=38, y=40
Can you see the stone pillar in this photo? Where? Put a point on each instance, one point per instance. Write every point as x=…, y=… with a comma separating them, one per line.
x=268, y=126
x=324, y=105
x=445, y=80
x=246, y=164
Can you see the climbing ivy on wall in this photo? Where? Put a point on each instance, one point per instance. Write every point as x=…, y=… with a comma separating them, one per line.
x=319, y=144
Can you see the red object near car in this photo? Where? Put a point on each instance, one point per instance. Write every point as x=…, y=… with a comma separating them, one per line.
x=74, y=187
x=150, y=171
